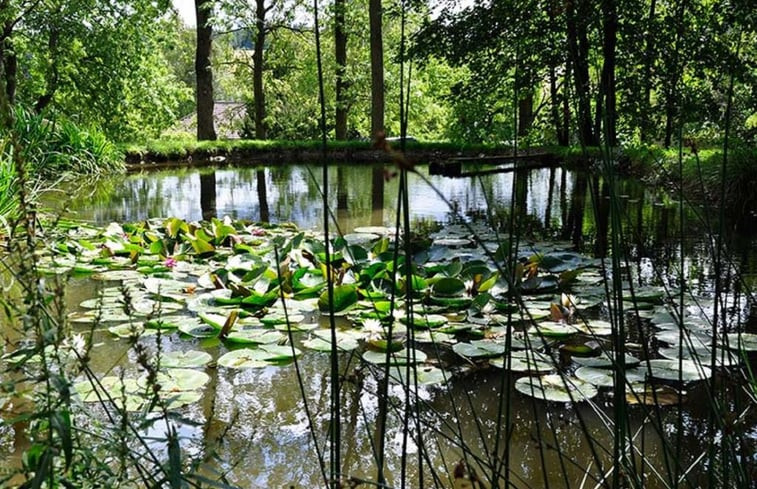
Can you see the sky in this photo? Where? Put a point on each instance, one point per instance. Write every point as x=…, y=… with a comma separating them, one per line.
x=186, y=8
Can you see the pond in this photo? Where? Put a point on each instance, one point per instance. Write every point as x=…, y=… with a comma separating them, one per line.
x=251, y=425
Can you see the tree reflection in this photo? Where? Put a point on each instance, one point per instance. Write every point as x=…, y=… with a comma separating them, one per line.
x=265, y=215
x=208, y=195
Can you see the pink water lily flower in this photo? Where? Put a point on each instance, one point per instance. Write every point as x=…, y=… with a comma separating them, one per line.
x=170, y=262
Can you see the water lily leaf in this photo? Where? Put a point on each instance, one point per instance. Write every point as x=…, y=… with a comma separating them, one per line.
x=345, y=297
x=178, y=379
x=401, y=357
x=648, y=395
x=254, y=336
x=185, y=359
x=454, y=303
x=244, y=358
x=117, y=275
x=604, y=377
x=479, y=349
x=448, y=287
x=594, y=327
x=653, y=295
x=279, y=353
x=605, y=360
x=525, y=361
x=199, y=329
x=176, y=400
x=273, y=319
x=420, y=374
x=553, y=387
x=690, y=370
x=129, y=330
x=111, y=385
x=360, y=238
x=421, y=321
x=551, y=329
x=321, y=341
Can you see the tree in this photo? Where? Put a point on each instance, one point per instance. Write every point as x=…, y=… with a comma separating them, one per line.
x=204, y=74
x=340, y=51
x=377, y=67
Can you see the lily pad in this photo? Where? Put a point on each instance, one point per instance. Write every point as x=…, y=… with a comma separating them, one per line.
x=422, y=375
x=254, y=336
x=690, y=371
x=525, y=361
x=401, y=357
x=479, y=349
x=179, y=379
x=185, y=359
x=244, y=358
x=421, y=321
x=553, y=387
x=551, y=329
x=198, y=329
x=605, y=360
x=604, y=377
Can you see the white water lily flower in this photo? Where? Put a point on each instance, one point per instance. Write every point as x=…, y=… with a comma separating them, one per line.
x=374, y=329
x=569, y=300
x=76, y=343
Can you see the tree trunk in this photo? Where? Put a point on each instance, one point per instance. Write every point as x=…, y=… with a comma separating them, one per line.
x=208, y=195
x=609, y=40
x=204, y=90
x=377, y=68
x=646, y=101
x=525, y=114
x=340, y=48
x=51, y=82
x=257, y=70
x=578, y=46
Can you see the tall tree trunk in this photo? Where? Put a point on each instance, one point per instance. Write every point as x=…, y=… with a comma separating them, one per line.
x=265, y=214
x=525, y=113
x=578, y=47
x=204, y=90
x=257, y=70
x=560, y=132
x=208, y=195
x=340, y=48
x=377, y=68
x=646, y=101
x=52, y=77
x=609, y=41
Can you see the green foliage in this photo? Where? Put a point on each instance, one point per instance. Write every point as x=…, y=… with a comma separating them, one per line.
x=52, y=147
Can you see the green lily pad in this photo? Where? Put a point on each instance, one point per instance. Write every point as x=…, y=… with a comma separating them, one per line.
x=604, y=377
x=605, y=360
x=690, y=371
x=117, y=275
x=345, y=297
x=448, y=287
x=552, y=329
x=401, y=357
x=479, y=349
x=421, y=321
x=553, y=387
x=254, y=336
x=128, y=330
x=594, y=327
x=185, y=359
x=525, y=361
x=244, y=358
x=179, y=379
x=420, y=374
x=198, y=329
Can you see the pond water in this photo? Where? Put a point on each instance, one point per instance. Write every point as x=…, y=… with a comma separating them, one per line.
x=251, y=426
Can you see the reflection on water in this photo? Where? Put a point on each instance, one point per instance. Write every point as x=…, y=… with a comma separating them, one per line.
x=254, y=421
